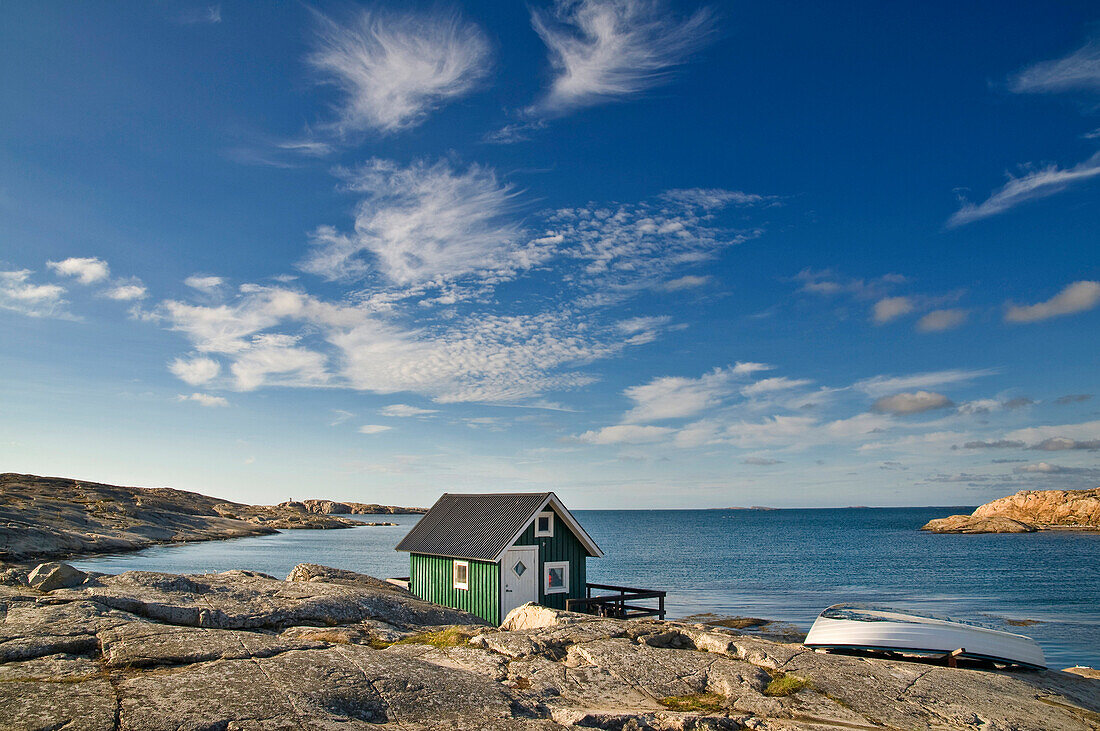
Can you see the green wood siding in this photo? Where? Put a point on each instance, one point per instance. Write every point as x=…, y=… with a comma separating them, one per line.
x=431, y=578
x=563, y=546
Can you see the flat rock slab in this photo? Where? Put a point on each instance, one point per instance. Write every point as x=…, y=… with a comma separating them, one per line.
x=249, y=600
x=142, y=644
x=59, y=691
x=315, y=688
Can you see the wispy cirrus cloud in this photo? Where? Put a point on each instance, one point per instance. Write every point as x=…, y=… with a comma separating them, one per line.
x=1077, y=71
x=639, y=244
x=1074, y=298
x=606, y=50
x=675, y=397
x=405, y=410
x=425, y=223
x=393, y=69
x=1033, y=185
x=887, y=385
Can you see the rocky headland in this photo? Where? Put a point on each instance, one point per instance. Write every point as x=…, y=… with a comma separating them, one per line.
x=330, y=649
x=1026, y=512
x=55, y=517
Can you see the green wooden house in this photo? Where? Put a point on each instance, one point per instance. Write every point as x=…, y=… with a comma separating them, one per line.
x=490, y=553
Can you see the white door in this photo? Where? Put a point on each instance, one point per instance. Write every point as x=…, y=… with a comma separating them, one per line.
x=520, y=575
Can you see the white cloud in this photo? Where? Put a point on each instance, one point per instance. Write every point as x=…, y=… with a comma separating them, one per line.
x=19, y=294
x=374, y=428
x=642, y=330
x=980, y=406
x=674, y=397
x=603, y=50
x=826, y=283
x=626, y=434
x=394, y=69
x=1039, y=467
x=204, y=399
x=761, y=461
x=427, y=223
x=911, y=403
x=195, y=371
x=639, y=244
x=278, y=355
x=891, y=308
x=940, y=320
x=86, y=270
x=405, y=410
x=714, y=197
x=127, y=292
x=204, y=283
x=1035, y=184
x=1084, y=436
x=771, y=385
x=1074, y=298
x=885, y=385
x=688, y=281
x=1078, y=71
x=778, y=430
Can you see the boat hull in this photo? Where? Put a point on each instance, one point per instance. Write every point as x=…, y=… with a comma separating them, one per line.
x=853, y=628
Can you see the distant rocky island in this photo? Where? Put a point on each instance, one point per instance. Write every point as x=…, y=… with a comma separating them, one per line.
x=1026, y=512
x=43, y=517
x=331, y=507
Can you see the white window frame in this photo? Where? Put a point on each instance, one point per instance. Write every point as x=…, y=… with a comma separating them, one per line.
x=564, y=566
x=549, y=533
x=454, y=575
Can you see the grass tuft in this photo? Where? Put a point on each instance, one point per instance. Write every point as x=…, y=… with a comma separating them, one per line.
x=784, y=685
x=694, y=703
x=450, y=637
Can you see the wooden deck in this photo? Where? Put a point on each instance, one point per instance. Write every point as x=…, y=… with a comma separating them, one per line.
x=616, y=604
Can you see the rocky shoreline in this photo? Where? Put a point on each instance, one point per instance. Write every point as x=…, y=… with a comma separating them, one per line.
x=1027, y=511
x=54, y=517
x=331, y=649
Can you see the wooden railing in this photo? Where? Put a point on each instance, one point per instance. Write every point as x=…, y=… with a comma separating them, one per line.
x=615, y=604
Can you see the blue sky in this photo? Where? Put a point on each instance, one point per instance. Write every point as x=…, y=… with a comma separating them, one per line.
x=644, y=254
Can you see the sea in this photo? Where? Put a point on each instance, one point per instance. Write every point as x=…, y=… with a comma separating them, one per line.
x=781, y=565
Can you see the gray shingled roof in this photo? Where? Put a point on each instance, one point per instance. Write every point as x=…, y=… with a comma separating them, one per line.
x=472, y=526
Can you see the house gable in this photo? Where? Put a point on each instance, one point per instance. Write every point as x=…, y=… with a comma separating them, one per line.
x=564, y=545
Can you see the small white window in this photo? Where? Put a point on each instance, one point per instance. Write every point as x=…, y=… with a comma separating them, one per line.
x=557, y=577
x=462, y=575
x=544, y=525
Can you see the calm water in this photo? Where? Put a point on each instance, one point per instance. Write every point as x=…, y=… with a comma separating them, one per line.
x=786, y=565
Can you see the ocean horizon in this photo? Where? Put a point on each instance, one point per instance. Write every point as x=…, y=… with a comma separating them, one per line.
x=785, y=565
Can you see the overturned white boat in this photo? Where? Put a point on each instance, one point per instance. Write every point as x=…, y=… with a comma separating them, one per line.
x=860, y=627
